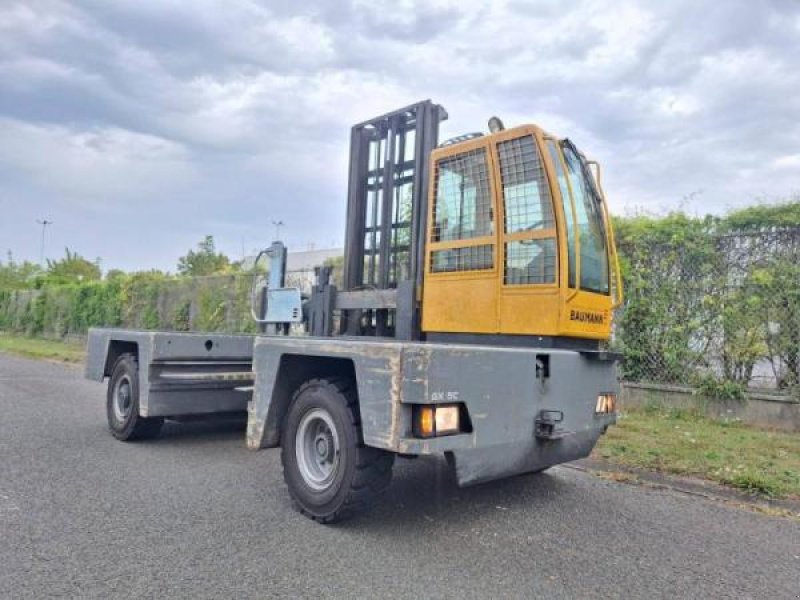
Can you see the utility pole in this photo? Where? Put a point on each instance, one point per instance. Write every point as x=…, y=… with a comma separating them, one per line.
x=44, y=223
x=278, y=225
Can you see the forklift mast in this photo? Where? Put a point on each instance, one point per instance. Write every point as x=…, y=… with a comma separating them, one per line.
x=384, y=256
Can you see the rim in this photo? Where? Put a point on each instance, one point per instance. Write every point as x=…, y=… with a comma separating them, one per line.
x=317, y=449
x=123, y=398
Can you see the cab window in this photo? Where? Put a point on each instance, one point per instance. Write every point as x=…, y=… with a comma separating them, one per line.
x=528, y=209
x=463, y=205
x=462, y=211
x=528, y=206
x=590, y=225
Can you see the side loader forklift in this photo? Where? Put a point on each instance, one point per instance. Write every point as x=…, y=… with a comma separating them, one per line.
x=479, y=282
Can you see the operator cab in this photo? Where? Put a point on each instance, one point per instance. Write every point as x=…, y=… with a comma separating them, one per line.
x=518, y=240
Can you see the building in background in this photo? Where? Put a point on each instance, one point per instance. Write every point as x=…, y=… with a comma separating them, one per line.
x=300, y=266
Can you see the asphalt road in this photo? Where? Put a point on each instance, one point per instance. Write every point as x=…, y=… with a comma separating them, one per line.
x=195, y=514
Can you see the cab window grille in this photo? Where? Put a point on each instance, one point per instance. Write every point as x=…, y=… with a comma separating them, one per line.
x=528, y=205
x=463, y=203
x=470, y=258
x=530, y=261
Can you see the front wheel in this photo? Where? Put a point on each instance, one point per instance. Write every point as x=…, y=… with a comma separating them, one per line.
x=122, y=403
x=329, y=471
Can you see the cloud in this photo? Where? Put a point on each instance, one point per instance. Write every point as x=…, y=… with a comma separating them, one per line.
x=226, y=116
x=91, y=165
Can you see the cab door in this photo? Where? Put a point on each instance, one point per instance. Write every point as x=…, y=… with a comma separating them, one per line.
x=460, y=289
x=587, y=308
x=529, y=278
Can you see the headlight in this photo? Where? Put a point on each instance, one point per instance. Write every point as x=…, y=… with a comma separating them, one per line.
x=606, y=404
x=436, y=419
x=447, y=420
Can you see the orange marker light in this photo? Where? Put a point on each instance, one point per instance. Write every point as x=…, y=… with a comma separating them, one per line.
x=606, y=404
x=426, y=421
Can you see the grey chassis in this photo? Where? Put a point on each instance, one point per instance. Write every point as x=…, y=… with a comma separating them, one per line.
x=527, y=408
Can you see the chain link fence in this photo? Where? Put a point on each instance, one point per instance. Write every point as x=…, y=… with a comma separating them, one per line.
x=720, y=310
x=219, y=303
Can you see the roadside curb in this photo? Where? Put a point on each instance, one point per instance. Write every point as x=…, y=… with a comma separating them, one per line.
x=696, y=487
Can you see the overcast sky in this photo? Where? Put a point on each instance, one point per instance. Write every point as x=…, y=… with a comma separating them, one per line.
x=140, y=126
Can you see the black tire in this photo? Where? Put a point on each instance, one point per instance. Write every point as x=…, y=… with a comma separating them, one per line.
x=359, y=474
x=123, y=416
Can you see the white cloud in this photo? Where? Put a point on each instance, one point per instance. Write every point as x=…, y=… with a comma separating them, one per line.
x=788, y=161
x=95, y=165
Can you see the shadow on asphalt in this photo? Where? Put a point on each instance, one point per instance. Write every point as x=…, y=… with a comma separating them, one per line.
x=423, y=490
x=201, y=431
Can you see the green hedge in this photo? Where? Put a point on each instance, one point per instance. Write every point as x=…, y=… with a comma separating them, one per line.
x=712, y=302
x=140, y=301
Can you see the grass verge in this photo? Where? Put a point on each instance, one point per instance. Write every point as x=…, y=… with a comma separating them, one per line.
x=71, y=352
x=684, y=442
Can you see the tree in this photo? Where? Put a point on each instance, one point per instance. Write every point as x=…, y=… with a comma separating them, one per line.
x=114, y=274
x=14, y=275
x=763, y=217
x=205, y=261
x=337, y=264
x=73, y=268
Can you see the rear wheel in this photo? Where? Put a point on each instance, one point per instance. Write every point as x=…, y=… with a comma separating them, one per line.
x=329, y=471
x=122, y=403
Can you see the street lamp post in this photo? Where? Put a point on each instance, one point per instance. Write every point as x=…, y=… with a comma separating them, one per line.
x=44, y=223
x=278, y=225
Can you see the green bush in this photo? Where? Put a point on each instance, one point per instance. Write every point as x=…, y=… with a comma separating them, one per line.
x=715, y=388
x=711, y=294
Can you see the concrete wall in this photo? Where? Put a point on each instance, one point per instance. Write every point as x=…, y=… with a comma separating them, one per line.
x=763, y=410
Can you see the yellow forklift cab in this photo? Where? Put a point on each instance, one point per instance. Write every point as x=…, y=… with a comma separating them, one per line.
x=519, y=240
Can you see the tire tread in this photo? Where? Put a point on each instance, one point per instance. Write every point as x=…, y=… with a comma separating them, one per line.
x=143, y=428
x=373, y=470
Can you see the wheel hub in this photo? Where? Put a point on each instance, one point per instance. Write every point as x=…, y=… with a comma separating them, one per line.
x=324, y=444
x=123, y=398
x=317, y=449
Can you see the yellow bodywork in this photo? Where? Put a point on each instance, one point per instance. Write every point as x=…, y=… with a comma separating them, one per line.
x=506, y=294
